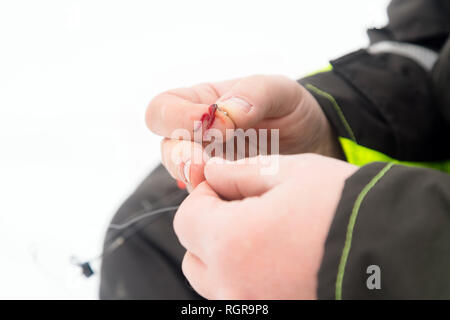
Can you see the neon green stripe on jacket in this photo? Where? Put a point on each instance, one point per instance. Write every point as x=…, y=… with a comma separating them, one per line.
x=360, y=156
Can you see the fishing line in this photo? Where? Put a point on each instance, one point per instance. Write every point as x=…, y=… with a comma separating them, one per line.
x=120, y=239
x=143, y=216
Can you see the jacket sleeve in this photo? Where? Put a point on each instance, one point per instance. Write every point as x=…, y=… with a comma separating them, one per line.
x=392, y=220
x=423, y=22
x=381, y=103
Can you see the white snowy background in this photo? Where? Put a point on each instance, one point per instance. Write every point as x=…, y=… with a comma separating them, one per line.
x=75, y=79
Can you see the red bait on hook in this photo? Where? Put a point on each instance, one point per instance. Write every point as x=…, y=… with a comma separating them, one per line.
x=210, y=116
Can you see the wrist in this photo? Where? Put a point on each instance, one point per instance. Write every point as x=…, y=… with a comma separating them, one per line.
x=330, y=145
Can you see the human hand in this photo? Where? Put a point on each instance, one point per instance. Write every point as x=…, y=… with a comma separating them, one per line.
x=253, y=236
x=258, y=102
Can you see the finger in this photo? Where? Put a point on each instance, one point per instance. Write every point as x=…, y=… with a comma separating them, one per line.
x=248, y=177
x=180, y=108
x=184, y=160
x=195, y=272
x=195, y=223
x=259, y=97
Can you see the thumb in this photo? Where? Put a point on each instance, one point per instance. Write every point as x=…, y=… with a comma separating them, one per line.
x=234, y=180
x=258, y=97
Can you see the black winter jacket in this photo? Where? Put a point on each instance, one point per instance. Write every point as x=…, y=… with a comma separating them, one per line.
x=390, y=106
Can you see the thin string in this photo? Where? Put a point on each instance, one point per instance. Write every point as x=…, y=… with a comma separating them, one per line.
x=121, y=239
x=141, y=217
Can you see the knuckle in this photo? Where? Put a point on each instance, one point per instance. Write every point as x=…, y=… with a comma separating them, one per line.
x=265, y=81
x=179, y=221
x=209, y=89
x=311, y=157
x=257, y=77
x=185, y=265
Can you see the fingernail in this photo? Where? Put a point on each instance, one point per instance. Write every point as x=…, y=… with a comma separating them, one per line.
x=236, y=102
x=186, y=172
